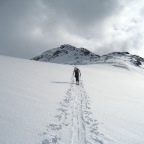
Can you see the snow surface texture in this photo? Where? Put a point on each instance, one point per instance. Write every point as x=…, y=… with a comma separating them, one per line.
x=40, y=103
x=71, y=55
x=75, y=118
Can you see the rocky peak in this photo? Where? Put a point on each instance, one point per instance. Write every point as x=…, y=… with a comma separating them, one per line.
x=71, y=55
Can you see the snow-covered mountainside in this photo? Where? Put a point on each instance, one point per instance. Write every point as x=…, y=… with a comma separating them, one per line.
x=122, y=58
x=68, y=54
x=41, y=104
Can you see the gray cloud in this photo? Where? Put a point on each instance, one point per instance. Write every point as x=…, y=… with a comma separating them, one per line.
x=84, y=12
x=27, y=28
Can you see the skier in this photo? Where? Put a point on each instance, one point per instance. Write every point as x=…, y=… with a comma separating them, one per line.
x=77, y=74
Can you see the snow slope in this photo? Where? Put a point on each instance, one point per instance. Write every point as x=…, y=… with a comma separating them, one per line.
x=40, y=103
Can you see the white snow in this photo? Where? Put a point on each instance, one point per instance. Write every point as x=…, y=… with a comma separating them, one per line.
x=40, y=103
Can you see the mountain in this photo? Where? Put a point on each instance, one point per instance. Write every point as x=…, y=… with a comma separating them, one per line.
x=41, y=104
x=122, y=58
x=68, y=54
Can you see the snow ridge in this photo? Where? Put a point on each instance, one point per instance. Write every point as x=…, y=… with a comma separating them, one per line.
x=67, y=54
x=75, y=118
x=123, y=58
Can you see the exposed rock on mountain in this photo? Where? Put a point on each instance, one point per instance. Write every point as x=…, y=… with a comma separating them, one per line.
x=68, y=54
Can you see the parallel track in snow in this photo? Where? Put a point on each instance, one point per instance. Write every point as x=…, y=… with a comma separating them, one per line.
x=75, y=123
x=78, y=129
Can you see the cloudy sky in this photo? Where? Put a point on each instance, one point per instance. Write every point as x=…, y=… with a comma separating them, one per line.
x=30, y=27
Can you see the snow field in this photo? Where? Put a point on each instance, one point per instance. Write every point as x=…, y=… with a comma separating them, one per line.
x=117, y=97
x=40, y=104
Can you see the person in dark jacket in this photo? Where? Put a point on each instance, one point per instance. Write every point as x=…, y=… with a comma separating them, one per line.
x=77, y=74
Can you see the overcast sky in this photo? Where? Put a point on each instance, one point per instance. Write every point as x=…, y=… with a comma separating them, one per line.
x=30, y=27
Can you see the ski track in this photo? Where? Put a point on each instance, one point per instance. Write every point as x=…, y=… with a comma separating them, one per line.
x=79, y=132
x=74, y=123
